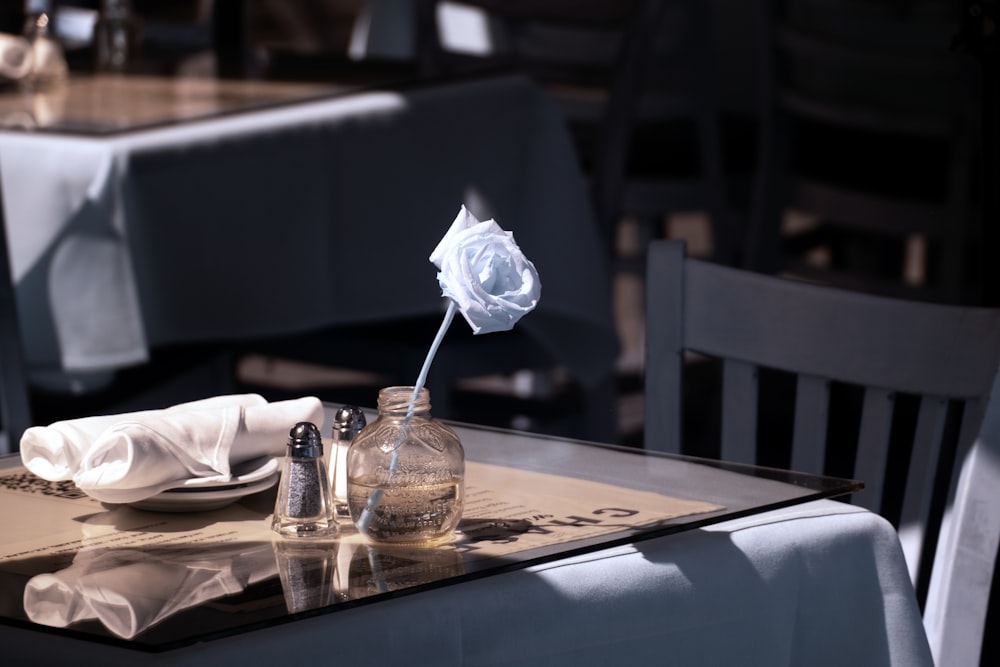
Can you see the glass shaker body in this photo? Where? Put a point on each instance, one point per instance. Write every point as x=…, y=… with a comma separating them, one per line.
x=347, y=423
x=303, y=507
x=406, y=473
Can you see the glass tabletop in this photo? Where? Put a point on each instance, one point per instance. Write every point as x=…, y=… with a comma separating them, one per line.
x=100, y=105
x=156, y=580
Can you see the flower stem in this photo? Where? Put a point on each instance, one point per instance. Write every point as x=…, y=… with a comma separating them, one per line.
x=376, y=495
x=449, y=315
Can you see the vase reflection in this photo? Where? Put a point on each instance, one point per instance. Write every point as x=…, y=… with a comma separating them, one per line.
x=372, y=569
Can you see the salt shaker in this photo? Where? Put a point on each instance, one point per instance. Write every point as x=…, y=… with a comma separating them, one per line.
x=303, y=507
x=347, y=423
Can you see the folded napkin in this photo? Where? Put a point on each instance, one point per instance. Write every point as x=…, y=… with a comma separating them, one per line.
x=129, y=457
x=56, y=451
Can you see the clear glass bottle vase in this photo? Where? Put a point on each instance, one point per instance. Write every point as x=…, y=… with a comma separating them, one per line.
x=406, y=473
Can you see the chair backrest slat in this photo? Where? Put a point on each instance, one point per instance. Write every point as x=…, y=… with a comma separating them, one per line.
x=812, y=411
x=739, y=404
x=873, y=446
x=663, y=426
x=920, y=479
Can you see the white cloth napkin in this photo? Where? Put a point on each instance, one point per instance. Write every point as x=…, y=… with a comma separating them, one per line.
x=129, y=457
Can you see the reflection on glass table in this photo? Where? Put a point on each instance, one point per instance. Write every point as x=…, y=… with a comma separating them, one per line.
x=131, y=590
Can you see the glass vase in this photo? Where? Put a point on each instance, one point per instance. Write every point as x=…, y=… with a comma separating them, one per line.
x=406, y=473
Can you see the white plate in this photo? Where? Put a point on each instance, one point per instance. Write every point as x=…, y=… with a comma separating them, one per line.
x=242, y=473
x=201, y=500
x=201, y=494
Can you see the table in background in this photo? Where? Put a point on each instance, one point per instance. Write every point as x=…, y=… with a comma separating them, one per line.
x=811, y=582
x=255, y=209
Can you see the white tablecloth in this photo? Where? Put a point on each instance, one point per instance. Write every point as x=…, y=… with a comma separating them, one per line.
x=818, y=584
x=295, y=218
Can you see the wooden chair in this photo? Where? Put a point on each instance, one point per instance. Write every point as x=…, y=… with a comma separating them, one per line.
x=636, y=85
x=869, y=127
x=944, y=357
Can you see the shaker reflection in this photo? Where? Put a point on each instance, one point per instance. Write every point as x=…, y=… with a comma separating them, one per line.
x=307, y=571
x=131, y=590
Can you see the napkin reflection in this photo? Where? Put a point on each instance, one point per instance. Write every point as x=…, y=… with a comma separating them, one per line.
x=131, y=590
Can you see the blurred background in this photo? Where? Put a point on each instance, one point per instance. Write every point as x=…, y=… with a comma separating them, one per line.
x=832, y=140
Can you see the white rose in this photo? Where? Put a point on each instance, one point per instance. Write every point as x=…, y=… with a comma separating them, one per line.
x=485, y=273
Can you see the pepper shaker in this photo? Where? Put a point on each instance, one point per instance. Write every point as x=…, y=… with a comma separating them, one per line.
x=304, y=507
x=347, y=423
